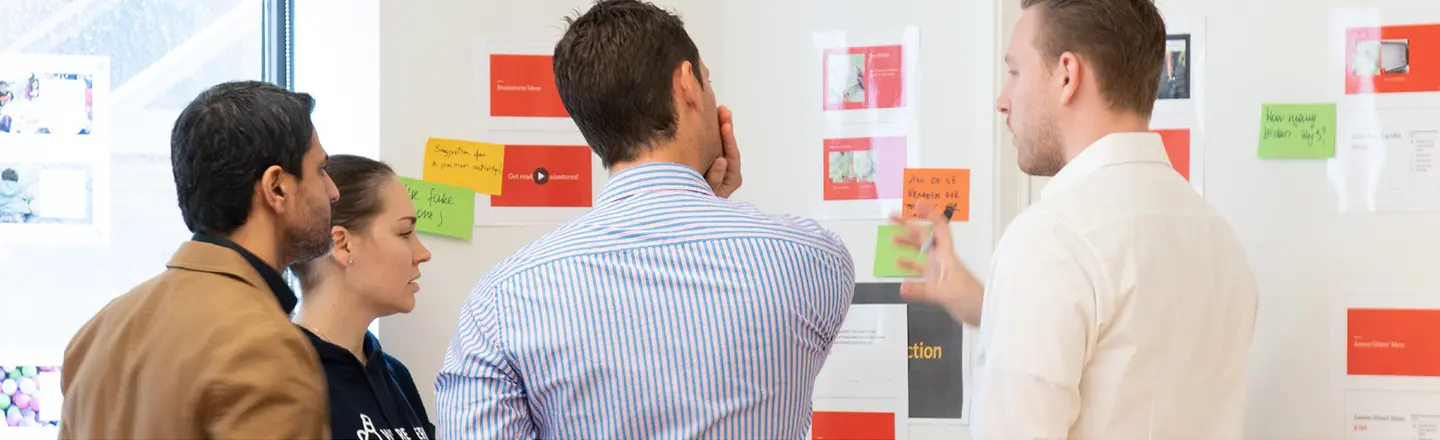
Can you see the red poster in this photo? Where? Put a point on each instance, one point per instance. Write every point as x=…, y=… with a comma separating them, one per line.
x=864, y=77
x=830, y=425
x=1177, y=146
x=524, y=86
x=1393, y=342
x=546, y=176
x=1392, y=59
x=864, y=168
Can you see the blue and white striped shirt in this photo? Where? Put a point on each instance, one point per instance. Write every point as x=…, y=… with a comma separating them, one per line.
x=664, y=312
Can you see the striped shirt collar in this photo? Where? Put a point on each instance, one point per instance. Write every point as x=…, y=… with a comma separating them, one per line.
x=653, y=177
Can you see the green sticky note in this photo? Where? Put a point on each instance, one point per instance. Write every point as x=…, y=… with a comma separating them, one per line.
x=442, y=209
x=886, y=252
x=1297, y=131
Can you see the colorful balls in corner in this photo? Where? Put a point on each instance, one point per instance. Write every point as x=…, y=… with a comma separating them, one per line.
x=20, y=388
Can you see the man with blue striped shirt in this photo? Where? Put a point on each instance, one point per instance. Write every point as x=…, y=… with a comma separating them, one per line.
x=667, y=311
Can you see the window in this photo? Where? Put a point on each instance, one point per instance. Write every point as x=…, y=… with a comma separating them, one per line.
x=102, y=211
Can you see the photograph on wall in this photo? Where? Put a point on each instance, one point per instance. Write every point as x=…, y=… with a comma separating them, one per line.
x=30, y=396
x=867, y=75
x=1392, y=59
x=52, y=202
x=858, y=170
x=517, y=91
x=1175, y=75
x=864, y=168
x=51, y=95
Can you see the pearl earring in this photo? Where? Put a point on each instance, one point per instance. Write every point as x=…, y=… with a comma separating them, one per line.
x=350, y=260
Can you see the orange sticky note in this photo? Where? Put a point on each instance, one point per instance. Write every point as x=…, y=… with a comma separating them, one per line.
x=939, y=187
x=476, y=165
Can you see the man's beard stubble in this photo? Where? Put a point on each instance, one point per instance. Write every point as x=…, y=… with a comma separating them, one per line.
x=311, y=239
x=1040, y=151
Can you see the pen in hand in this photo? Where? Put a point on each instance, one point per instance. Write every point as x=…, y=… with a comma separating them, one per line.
x=930, y=240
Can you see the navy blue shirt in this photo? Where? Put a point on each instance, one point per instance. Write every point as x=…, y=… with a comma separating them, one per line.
x=376, y=400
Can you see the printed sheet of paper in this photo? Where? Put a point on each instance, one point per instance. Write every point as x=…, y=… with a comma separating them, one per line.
x=1297, y=131
x=887, y=252
x=1388, y=161
x=442, y=209
x=475, y=165
x=1392, y=379
x=55, y=150
x=862, y=387
x=939, y=187
x=518, y=91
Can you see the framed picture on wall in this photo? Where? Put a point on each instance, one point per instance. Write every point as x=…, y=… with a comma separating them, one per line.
x=1175, y=75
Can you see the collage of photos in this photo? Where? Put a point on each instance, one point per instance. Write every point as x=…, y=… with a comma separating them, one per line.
x=53, y=158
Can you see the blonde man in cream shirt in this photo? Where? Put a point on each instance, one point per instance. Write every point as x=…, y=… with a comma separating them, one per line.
x=1120, y=306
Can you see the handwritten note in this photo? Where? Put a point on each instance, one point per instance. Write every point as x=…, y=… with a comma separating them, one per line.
x=475, y=165
x=442, y=209
x=938, y=187
x=1297, y=131
x=887, y=253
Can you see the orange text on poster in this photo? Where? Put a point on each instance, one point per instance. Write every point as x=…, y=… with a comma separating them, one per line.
x=1177, y=147
x=939, y=187
x=524, y=86
x=1393, y=342
x=830, y=425
x=1400, y=59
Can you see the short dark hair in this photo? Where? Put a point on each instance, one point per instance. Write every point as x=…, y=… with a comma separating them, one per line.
x=223, y=142
x=613, y=69
x=10, y=174
x=359, y=180
x=1124, y=41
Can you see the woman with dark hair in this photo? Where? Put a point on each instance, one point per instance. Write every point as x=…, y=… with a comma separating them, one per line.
x=369, y=273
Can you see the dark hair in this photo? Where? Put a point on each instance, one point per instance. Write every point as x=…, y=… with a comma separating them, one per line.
x=10, y=174
x=224, y=141
x=359, y=180
x=1124, y=41
x=613, y=69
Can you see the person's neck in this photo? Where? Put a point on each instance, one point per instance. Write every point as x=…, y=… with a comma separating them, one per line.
x=667, y=152
x=340, y=321
x=262, y=242
x=1104, y=124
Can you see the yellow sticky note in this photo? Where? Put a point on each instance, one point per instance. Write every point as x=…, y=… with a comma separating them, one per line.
x=476, y=165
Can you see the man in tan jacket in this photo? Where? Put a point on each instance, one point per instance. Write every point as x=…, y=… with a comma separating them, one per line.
x=206, y=350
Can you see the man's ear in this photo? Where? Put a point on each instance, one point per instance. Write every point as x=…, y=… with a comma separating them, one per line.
x=272, y=188
x=1070, y=77
x=687, y=89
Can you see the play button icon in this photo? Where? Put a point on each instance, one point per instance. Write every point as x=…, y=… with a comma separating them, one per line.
x=540, y=176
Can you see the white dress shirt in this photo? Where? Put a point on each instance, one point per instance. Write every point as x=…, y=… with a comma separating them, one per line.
x=1120, y=307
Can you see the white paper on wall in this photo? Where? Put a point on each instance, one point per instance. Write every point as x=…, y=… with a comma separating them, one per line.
x=867, y=94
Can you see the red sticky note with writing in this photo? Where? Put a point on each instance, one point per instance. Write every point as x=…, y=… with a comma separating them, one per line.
x=939, y=187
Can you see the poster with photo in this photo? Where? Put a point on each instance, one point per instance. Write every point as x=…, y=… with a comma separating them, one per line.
x=1175, y=75
x=53, y=202
x=867, y=76
x=862, y=170
x=57, y=95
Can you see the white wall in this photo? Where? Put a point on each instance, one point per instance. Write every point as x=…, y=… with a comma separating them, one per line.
x=758, y=52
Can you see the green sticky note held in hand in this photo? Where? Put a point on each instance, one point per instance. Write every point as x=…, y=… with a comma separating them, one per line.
x=442, y=209
x=887, y=251
x=1297, y=131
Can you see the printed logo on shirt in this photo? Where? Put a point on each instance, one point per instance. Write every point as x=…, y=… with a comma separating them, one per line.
x=368, y=431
